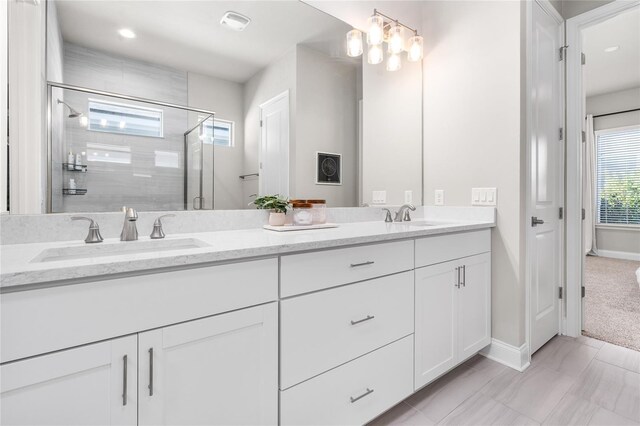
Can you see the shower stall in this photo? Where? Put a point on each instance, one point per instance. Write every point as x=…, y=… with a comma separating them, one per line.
x=106, y=150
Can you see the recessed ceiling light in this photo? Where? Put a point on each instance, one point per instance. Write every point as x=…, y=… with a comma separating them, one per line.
x=611, y=49
x=235, y=21
x=126, y=33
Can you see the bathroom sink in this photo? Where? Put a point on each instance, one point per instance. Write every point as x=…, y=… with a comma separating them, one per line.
x=425, y=223
x=117, y=249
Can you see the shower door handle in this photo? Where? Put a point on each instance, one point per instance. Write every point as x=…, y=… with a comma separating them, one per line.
x=201, y=200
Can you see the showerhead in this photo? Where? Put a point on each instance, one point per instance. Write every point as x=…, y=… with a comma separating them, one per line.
x=72, y=112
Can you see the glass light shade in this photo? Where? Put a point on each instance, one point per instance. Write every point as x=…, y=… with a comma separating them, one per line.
x=396, y=39
x=394, y=63
x=84, y=121
x=416, y=49
x=375, y=54
x=354, y=43
x=375, y=30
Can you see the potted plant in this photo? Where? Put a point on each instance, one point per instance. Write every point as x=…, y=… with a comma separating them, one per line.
x=278, y=206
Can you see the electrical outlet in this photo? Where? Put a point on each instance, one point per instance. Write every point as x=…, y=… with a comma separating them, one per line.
x=408, y=196
x=484, y=196
x=379, y=197
x=439, y=197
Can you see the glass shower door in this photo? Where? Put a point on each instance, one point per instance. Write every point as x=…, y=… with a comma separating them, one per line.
x=198, y=182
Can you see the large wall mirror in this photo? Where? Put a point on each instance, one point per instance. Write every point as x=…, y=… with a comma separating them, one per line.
x=181, y=105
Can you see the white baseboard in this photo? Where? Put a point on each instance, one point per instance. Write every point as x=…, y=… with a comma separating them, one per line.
x=619, y=254
x=506, y=354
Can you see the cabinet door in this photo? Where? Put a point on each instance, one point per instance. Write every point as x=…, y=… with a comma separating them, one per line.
x=436, y=321
x=474, y=301
x=216, y=370
x=89, y=385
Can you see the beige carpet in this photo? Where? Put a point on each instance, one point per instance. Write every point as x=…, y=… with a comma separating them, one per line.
x=612, y=302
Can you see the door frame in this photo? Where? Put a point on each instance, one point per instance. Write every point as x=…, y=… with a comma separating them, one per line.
x=574, y=124
x=261, y=107
x=529, y=233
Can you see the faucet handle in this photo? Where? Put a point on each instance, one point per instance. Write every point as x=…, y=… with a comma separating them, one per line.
x=94, y=230
x=157, y=232
x=406, y=217
x=388, y=216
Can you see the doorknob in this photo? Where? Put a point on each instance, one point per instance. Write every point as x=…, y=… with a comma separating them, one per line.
x=535, y=221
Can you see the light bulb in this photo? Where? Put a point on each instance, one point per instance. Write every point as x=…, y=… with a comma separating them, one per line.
x=84, y=121
x=354, y=43
x=394, y=63
x=396, y=40
x=375, y=32
x=375, y=55
x=416, y=49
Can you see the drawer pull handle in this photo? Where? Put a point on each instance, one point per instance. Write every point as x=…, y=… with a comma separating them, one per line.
x=464, y=276
x=369, y=391
x=150, y=372
x=457, y=283
x=124, y=380
x=368, y=317
x=369, y=262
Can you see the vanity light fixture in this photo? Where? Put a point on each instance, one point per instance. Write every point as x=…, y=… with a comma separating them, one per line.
x=354, y=43
x=235, y=21
x=382, y=28
x=84, y=121
x=126, y=33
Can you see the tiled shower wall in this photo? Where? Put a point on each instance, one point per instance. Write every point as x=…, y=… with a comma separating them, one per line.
x=149, y=172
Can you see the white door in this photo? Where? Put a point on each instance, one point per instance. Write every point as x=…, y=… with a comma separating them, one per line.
x=221, y=370
x=474, y=305
x=546, y=178
x=274, y=146
x=436, y=313
x=89, y=385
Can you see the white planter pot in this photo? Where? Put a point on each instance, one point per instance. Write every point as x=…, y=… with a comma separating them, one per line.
x=276, y=219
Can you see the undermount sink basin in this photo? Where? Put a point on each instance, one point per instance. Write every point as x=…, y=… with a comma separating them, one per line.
x=425, y=223
x=116, y=249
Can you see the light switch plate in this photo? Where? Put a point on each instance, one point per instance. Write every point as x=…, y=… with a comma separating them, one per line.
x=439, y=197
x=484, y=196
x=408, y=196
x=379, y=197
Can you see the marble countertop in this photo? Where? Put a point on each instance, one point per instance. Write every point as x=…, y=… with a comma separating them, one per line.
x=18, y=268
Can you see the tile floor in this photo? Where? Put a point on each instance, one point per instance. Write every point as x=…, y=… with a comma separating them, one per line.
x=570, y=381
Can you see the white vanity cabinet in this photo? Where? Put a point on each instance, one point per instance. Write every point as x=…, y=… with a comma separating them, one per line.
x=221, y=370
x=89, y=385
x=453, y=314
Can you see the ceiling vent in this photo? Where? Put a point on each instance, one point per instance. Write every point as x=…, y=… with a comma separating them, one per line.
x=235, y=21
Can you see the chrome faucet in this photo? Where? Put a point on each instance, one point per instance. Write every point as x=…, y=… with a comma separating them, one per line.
x=94, y=230
x=129, y=229
x=402, y=215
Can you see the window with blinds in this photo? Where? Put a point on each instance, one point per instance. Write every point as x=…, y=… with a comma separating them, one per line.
x=618, y=176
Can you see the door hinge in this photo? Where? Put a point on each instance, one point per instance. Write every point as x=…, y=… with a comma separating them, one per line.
x=260, y=123
x=562, y=50
x=584, y=136
x=561, y=133
x=583, y=291
x=584, y=214
x=583, y=58
x=561, y=213
x=559, y=292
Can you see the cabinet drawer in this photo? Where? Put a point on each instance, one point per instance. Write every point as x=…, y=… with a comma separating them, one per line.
x=442, y=248
x=44, y=320
x=353, y=393
x=322, y=330
x=302, y=273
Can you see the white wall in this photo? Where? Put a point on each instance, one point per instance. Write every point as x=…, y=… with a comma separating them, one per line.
x=4, y=52
x=326, y=121
x=610, y=238
x=571, y=8
x=472, y=132
x=225, y=98
x=27, y=97
x=392, y=132
x=268, y=83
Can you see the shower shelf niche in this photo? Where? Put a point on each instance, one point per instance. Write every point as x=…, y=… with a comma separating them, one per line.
x=66, y=168
x=78, y=191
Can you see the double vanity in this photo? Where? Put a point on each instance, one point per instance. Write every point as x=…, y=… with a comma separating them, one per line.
x=248, y=326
